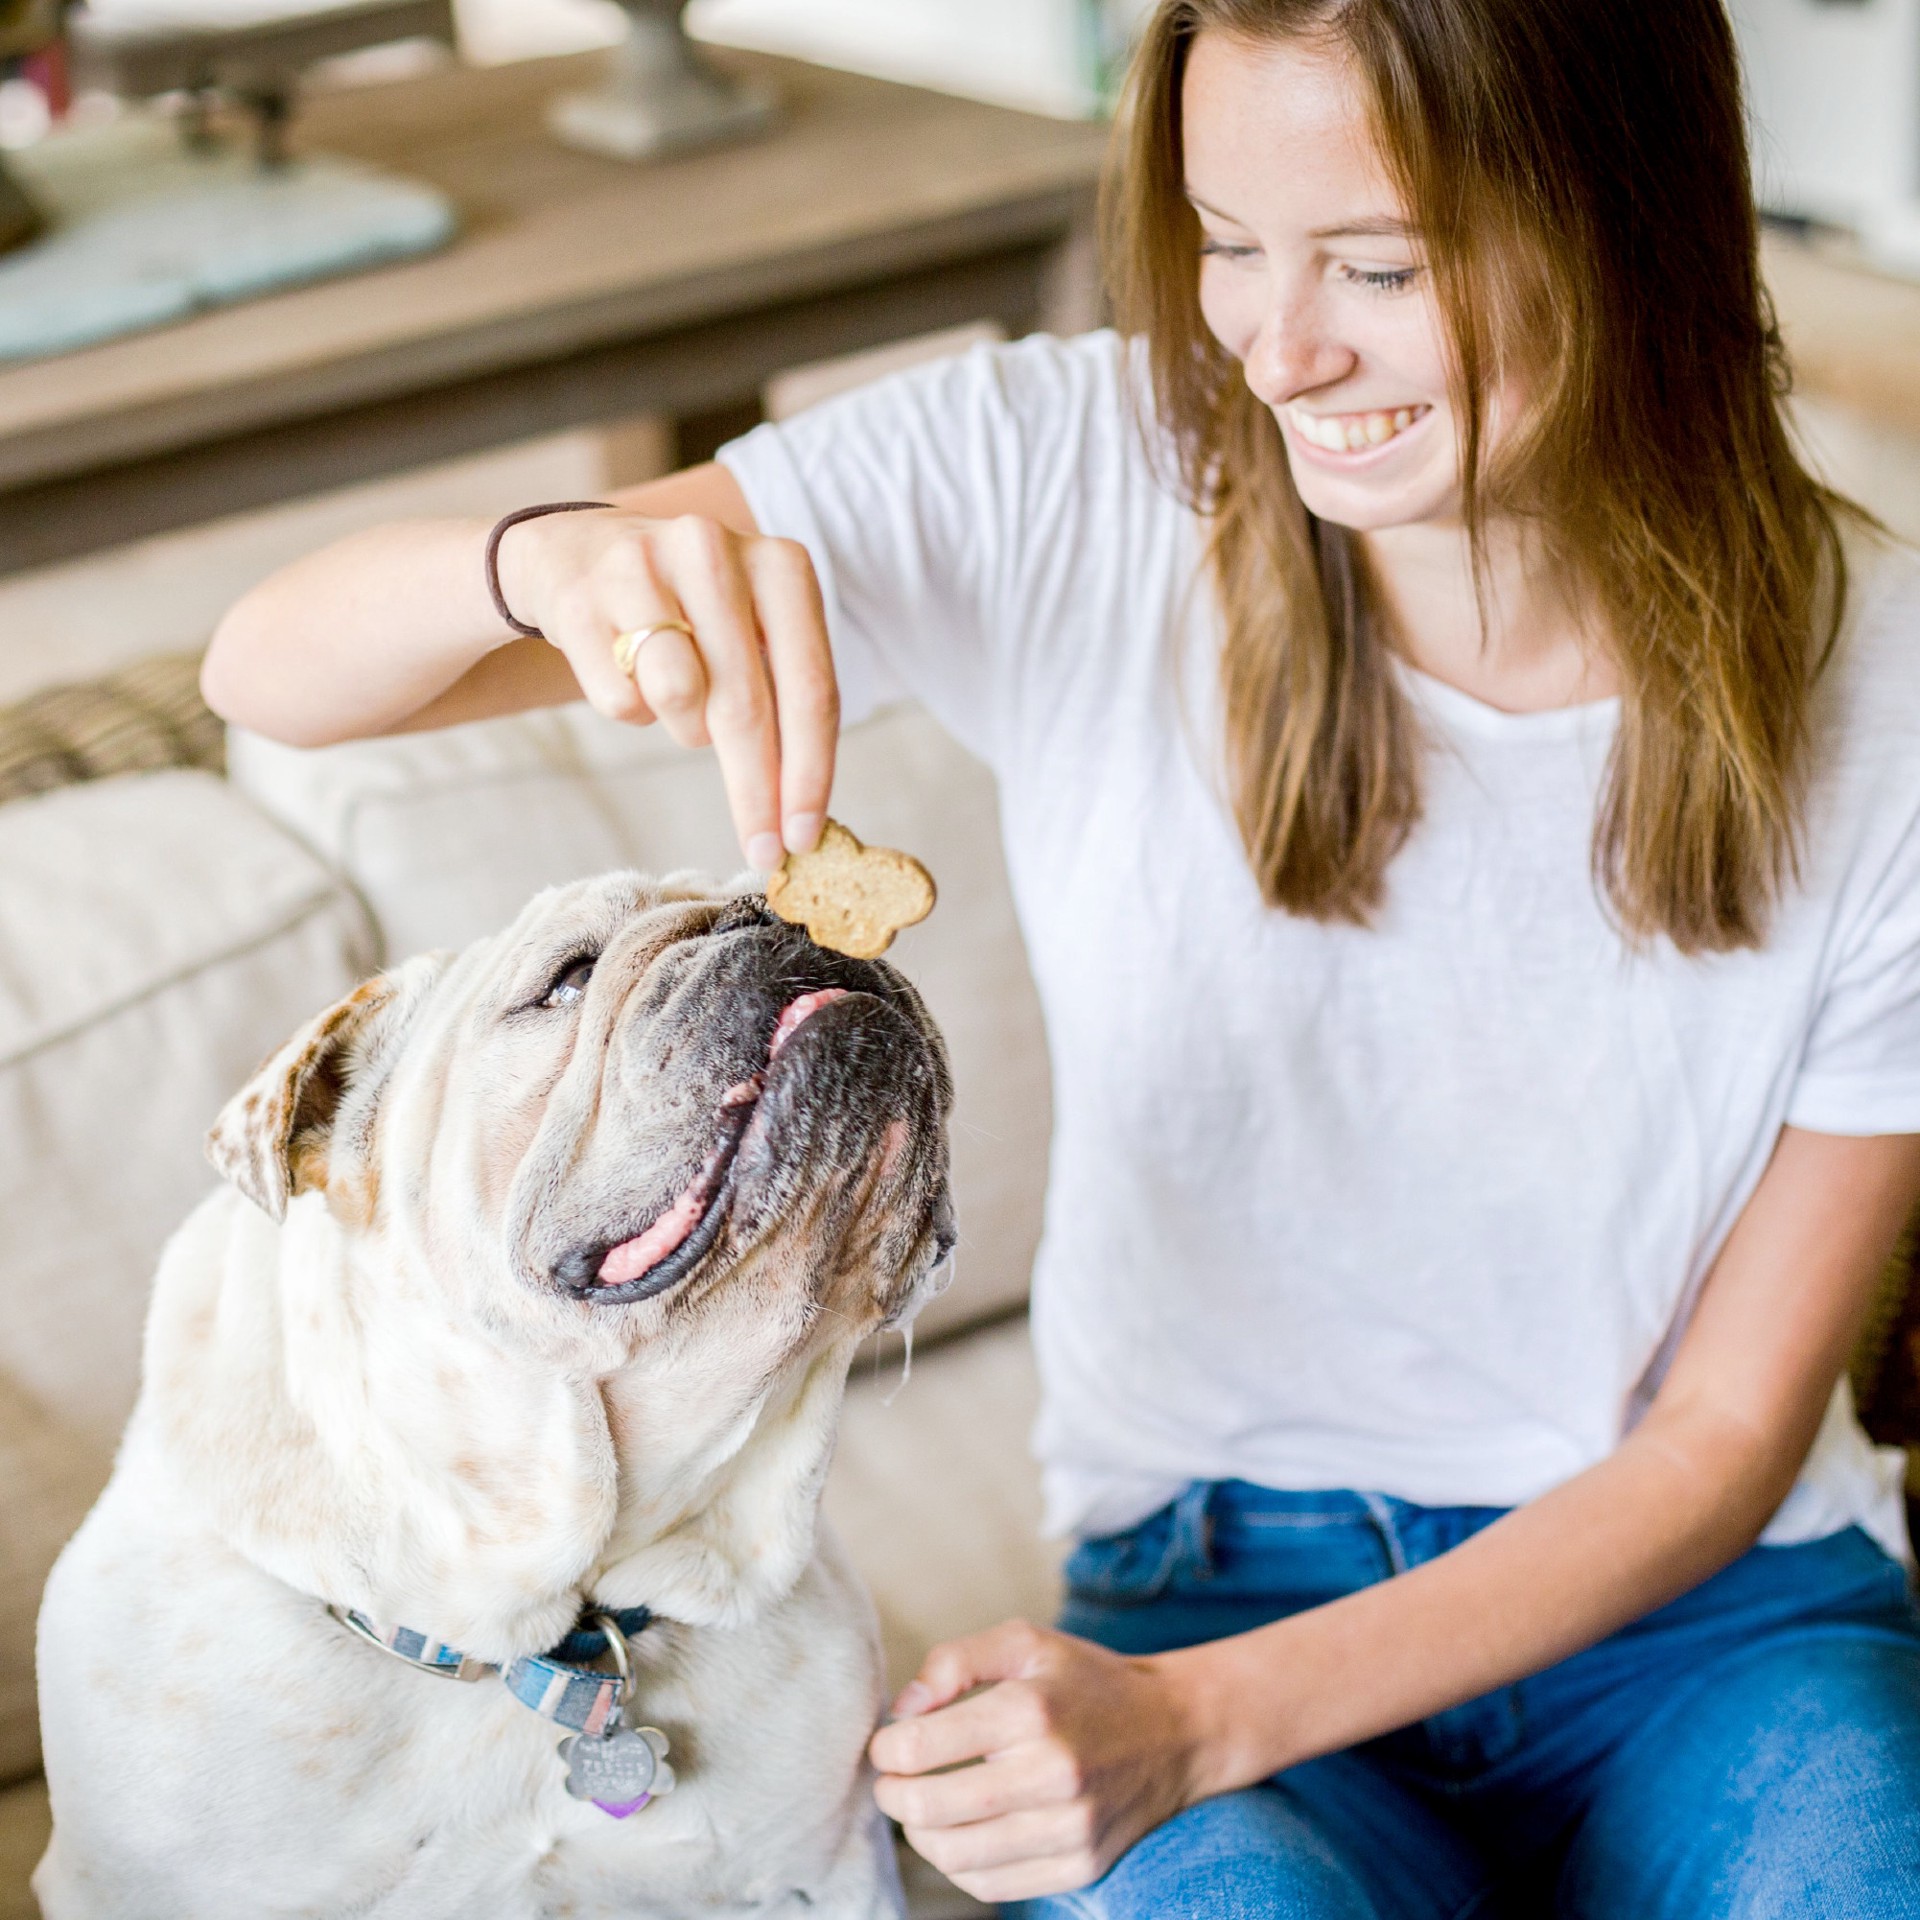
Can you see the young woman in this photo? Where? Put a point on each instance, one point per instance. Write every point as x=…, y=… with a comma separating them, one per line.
x=1462, y=787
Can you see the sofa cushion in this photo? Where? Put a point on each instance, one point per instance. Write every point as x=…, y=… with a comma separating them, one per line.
x=937, y=1499
x=160, y=938
x=447, y=834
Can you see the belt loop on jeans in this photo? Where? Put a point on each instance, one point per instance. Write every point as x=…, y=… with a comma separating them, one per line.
x=1380, y=1511
x=1192, y=1542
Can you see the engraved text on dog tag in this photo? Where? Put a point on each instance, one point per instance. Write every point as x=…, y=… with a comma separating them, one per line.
x=619, y=1771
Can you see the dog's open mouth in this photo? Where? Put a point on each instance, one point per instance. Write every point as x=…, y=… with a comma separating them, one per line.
x=679, y=1237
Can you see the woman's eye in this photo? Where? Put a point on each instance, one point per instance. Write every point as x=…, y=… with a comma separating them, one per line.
x=1221, y=250
x=571, y=984
x=1381, y=279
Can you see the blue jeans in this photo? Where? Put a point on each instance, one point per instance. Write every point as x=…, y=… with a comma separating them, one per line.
x=1750, y=1752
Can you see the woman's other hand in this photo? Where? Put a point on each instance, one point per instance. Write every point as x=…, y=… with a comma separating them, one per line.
x=754, y=679
x=1077, y=1753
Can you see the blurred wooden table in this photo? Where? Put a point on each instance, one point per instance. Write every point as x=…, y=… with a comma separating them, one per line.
x=580, y=290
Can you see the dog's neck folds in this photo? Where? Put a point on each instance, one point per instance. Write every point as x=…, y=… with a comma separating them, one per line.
x=344, y=1432
x=712, y=1530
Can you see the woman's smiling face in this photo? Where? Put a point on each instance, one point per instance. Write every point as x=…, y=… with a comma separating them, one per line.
x=1312, y=278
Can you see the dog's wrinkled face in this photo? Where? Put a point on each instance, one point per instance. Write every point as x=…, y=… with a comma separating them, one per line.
x=631, y=1095
x=700, y=1080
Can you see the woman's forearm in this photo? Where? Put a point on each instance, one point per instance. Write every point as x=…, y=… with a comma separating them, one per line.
x=1676, y=1502
x=359, y=637
x=1686, y=1492
x=669, y=606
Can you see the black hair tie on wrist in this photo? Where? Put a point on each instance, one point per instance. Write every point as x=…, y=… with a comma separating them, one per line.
x=493, y=554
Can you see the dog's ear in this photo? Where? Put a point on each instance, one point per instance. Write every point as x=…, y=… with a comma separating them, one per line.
x=273, y=1139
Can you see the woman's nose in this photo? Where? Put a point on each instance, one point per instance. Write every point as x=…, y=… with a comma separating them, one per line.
x=1293, y=353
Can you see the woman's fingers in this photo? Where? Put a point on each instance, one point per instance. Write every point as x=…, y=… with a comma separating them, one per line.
x=1030, y=1775
x=665, y=668
x=754, y=679
x=1032, y=1879
x=585, y=632
x=1075, y=1752
x=709, y=577
x=1006, y=1652
x=1026, y=1840
x=793, y=623
x=990, y=1722
x=672, y=680
x=938, y=1729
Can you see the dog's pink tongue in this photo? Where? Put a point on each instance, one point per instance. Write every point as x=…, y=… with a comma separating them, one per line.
x=633, y=1258
x=799, y=1010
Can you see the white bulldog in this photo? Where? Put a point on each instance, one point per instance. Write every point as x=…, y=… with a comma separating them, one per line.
x=532, y=1300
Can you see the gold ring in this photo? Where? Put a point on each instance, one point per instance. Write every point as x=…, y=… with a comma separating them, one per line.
x=626, y=648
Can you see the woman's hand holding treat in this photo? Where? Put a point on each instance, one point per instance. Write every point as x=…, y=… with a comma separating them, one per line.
x=396, y=629
x=728, y=643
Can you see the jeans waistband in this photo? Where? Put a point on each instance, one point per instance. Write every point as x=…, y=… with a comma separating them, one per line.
x=1406, y=1534
x=1244, y=1545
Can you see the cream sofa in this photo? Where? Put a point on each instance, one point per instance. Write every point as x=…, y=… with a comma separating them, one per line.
x=161, y=931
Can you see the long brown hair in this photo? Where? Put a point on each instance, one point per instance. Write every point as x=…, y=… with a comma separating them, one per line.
x=1578, y=169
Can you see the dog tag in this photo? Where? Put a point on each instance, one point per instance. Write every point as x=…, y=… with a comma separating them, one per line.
x=618, y=1771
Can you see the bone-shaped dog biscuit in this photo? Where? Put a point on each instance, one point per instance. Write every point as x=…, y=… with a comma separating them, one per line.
x=850, y=897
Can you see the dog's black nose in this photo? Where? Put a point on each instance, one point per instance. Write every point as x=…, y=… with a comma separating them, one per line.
x=744, y=914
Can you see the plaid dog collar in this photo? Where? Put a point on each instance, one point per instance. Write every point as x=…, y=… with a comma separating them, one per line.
x=558, y=1685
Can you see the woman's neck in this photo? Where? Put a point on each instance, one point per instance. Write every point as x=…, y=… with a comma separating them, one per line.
x=1525, y=647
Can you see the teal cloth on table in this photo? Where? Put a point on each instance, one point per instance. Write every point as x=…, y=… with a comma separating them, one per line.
x=146, y=231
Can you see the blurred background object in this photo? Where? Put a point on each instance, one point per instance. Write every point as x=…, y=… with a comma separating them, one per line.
x=26, y=27
x=151, y=211
x=661, y=95
x=254, y=52
x=1833, y=91
x=594, y=322
x=493, y=32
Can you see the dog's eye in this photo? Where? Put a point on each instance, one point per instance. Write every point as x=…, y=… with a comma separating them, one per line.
x=571, y=983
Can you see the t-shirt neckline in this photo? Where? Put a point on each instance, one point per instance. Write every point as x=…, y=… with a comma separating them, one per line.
x=1463, y=713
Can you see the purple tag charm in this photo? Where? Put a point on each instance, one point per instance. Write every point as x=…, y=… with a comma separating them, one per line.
x=620, y=1771
x=620, y=1809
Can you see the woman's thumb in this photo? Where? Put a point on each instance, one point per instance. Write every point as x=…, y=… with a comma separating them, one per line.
x=950, y=1669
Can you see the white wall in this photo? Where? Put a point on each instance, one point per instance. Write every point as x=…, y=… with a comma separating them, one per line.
x=497, y=30
x=1028, y=53
x=1834, y=96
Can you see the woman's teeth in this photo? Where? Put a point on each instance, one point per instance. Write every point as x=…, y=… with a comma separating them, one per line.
x=1353, y=432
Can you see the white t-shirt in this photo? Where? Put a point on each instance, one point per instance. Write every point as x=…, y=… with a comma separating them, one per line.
x=1416, y=1208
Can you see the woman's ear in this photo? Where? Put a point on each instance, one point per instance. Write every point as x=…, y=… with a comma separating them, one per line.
x=276, y=1137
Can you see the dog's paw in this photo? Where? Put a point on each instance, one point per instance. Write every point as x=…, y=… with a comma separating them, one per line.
x=850, y=897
